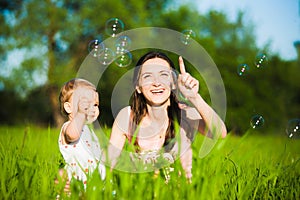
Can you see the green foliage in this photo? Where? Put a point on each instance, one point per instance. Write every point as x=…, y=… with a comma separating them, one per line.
x=29, y=159
x=54, y=36
x=17, y=110
x=248, y=167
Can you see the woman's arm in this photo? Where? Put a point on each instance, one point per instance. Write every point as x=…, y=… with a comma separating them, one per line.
x=211, y=124
x=118, y=136
x=189, y=87
x=183, y=149
x=116, y=144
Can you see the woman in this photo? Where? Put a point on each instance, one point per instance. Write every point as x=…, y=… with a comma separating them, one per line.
x=150, y=122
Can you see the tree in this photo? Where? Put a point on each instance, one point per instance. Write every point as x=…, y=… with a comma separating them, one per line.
x=56, y=34
x=231, y=43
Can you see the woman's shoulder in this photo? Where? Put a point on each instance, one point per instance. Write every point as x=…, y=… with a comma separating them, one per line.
x=126, y=109
x=124, y=112
x=123, y=118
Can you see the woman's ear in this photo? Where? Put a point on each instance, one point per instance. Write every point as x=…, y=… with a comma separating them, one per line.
x=173, y=86
x=68, y=107
x=174, y=80
x=138, y=89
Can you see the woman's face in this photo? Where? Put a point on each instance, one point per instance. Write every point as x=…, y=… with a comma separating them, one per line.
x=155, y=81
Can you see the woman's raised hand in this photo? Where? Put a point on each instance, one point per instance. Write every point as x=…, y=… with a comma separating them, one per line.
x=188, y=85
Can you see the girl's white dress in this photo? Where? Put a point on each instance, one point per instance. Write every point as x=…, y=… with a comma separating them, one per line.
x=83, y=156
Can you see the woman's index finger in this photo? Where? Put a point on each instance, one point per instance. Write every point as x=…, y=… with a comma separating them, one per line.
x=181, y=65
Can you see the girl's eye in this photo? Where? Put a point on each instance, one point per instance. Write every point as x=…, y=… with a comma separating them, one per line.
x=148, y=76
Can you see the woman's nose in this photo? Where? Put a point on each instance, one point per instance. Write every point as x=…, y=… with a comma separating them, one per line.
x=156, y=83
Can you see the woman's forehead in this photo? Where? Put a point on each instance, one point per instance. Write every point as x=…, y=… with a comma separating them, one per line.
x=155, y=64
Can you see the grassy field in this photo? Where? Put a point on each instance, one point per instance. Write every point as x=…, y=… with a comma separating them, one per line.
x=249, y=167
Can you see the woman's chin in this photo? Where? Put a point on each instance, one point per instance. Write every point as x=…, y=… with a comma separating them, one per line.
x=159, y=102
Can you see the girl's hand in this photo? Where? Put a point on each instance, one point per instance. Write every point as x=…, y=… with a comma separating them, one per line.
x=83, y=105
x=188, y=85
x=80, y=102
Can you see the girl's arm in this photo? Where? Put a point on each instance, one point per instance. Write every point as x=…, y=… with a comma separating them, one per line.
x=78, y=117
x=73, y=130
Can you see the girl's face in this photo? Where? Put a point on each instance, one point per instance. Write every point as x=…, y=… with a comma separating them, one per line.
x=155, y=81
x=93, y=111
x=90, y=98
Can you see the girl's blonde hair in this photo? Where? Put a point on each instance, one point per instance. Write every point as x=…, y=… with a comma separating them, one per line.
x=68, y=88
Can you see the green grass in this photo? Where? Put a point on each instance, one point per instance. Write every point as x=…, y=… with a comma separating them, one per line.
x=254, y=166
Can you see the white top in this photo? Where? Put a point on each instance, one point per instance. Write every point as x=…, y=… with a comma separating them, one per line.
x=151, y=138
x=83, y=156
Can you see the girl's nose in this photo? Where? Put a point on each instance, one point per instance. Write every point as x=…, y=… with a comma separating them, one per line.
x=92, y=109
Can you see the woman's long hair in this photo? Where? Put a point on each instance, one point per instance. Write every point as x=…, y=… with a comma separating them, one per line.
x=139, y=105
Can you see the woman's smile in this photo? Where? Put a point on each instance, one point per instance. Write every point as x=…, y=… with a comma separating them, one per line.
x=157, y=91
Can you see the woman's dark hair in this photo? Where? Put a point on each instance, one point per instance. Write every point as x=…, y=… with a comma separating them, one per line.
x=139, y=106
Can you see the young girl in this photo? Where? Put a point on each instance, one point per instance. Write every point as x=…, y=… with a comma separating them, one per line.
x=77, y=141
x=155, y=110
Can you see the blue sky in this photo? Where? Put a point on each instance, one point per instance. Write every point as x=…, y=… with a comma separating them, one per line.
x=276, y=21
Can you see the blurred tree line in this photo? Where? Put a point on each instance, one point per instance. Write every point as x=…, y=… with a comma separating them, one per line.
x=54, y=35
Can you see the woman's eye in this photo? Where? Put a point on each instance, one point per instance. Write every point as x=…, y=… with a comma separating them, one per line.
x=147, y=76
x=164, y=74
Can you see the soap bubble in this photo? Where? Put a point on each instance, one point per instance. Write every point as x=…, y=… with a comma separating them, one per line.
x=123, y=42
x=261, y=60
x=242, y=69
x=187, y=36
x=123, y=57
x=114, y=26
x=114, y=193
x=257, y=121
x=106, y=57
x=95, y=47
x=293, y=128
